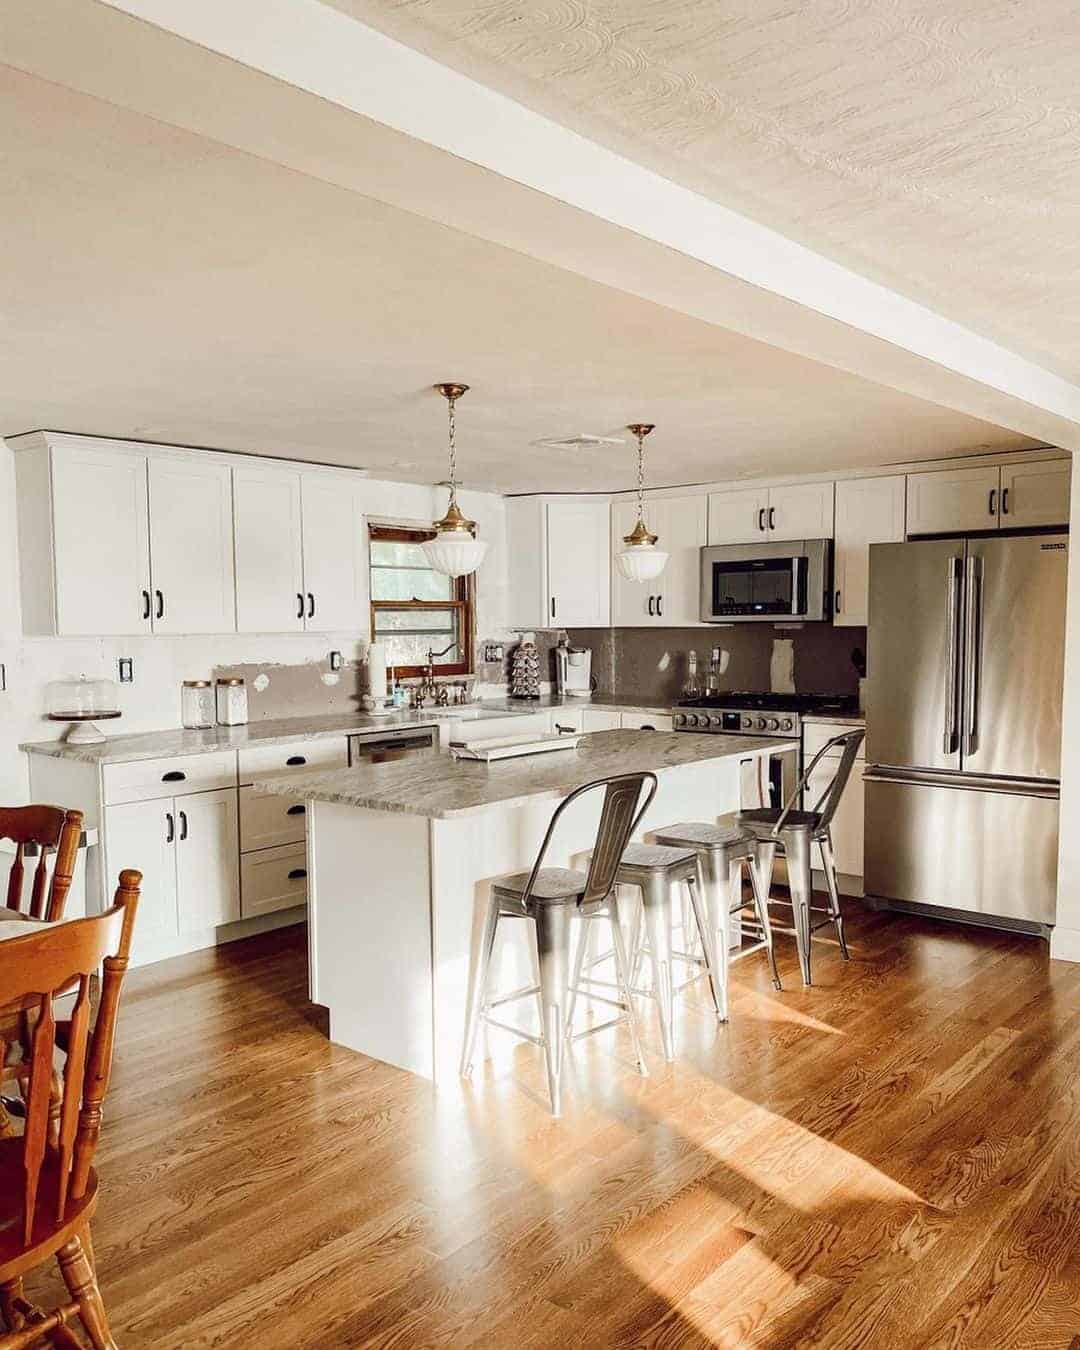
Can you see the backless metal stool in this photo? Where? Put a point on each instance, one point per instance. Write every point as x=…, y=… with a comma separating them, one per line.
x=794, y=831
x=654, y=869
x=551, y=898
x=724, y=850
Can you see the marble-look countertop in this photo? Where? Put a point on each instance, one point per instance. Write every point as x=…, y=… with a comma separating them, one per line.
x=440, y=787
x=855, y=719
x=176, y=741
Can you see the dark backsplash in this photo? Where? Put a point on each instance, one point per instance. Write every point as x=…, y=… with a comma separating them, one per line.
x=652, y=662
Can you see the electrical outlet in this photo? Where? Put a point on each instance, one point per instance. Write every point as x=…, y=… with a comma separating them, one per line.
x=493, y=651
x=127, y=670
x=336, y=661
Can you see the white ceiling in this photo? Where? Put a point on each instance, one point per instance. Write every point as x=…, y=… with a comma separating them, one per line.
x=931, y=144
x=163, y=286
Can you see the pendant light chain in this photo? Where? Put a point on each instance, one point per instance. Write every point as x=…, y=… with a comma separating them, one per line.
x=453, y=448
x=640, y=475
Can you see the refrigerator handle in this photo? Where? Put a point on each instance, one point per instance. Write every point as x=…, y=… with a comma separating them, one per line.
x=952, y=633
x=973, y=654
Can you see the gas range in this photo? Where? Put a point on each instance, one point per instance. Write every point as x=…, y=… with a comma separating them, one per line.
x=750, y=714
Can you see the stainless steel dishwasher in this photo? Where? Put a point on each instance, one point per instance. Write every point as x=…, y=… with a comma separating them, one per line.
x=390, y=743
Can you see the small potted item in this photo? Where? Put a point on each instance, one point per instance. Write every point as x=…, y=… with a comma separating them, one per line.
x=82, y=702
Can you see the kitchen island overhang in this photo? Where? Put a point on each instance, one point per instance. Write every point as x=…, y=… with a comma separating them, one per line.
x=401, y=856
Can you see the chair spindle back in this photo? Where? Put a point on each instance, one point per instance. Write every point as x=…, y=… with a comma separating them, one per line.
x=51, y=830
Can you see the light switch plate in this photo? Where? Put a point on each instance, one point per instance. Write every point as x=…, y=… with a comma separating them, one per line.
x=127, y=670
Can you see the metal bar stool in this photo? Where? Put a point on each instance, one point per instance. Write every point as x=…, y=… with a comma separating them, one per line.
x=724, y=849
x=551, y=897
x=795, y=831
x=654, y=869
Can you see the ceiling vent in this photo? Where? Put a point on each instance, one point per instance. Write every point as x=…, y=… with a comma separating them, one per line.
x=582, y=441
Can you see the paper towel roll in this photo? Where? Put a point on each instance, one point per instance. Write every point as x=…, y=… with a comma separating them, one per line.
x=376, y=667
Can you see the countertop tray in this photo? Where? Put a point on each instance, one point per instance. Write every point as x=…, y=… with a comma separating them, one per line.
x=512, y=747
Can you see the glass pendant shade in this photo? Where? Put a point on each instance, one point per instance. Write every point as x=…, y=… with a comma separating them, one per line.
x=640, y=559
x=455, y=551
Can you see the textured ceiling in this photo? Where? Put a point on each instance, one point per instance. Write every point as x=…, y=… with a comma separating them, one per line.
x=931, y=144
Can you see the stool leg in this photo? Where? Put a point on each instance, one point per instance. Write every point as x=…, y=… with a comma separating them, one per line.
x=715, y=962
x=828, y=863
x=797, y=853
x=656, y=896
x=553, y=925
x=622, y=976
x=479, y=992
x=715, y=888
x=761, y=909
x=583, y=948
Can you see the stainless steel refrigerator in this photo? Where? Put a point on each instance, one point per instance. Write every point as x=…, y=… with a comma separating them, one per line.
x=963, y=710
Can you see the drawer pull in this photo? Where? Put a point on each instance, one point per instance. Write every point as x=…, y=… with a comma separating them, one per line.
x=298, y=873
x=296, y=810
x=294, y=760
x=174, y=776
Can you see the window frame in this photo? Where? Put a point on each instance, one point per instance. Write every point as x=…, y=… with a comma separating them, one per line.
x=463, y=601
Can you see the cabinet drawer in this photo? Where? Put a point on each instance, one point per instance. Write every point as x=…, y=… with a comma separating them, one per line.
x=273, y=879
x=141, y=780
x=268, y=822
x=564, y=721
x=271, y=761
x=646, y=722
x=817, y=735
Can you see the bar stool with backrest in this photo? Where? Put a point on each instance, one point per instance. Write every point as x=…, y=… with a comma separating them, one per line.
x=794, y=831
x=48, y=1188
x=551, y=898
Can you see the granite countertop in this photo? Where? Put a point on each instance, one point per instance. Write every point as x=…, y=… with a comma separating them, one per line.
x=441, y=788
x=851, y=719
x=280, y=731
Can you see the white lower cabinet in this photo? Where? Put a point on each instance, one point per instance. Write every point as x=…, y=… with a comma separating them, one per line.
x=565, y=721
x=273, y=879
x=646, y=722
x=847, y=824
x=143, y=835
x=598, y=719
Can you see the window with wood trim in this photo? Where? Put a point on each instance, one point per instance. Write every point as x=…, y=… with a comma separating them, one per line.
x=415, y=609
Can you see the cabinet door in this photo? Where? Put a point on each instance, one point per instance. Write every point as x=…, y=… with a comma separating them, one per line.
x=801, y=511
x=633, y=602
x=191, y=546
x=868, y=511
x=682, y=530
x=335, y=590
x=739, y=517
x=598, y=719
x=101, y=541
x=947, y=500
x=566, y=721
x=142, y=835
x=646, y=722
x=269, y=561
x=847, y=823
x=207, y=860
x=1035, y=494
x=578, y=564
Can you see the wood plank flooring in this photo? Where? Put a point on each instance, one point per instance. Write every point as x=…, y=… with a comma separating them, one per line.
x=891, y=1158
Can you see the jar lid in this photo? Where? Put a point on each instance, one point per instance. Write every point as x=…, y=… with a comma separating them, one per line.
x=233, y=681
x=196, y=684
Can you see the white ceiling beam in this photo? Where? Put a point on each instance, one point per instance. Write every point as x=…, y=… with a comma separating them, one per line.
x=427, y=138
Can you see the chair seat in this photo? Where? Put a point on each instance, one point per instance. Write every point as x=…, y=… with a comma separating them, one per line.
x=656, y=857
x=761, y=820
x=48, y=1235
x=553, y=885
x=700, y=834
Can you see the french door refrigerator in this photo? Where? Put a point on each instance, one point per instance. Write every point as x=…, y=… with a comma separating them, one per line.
x=963, y=709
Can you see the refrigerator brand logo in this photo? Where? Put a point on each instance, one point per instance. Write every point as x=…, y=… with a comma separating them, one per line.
x=1051, y=547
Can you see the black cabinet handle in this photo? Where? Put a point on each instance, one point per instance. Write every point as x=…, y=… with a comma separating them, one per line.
x=311, y=604
x=297, y=873
x=993, y=501
x=761, y=519
x=293, y=760
x=170, y=827
x=183, y=825
x=146, y=604
x=646, y=726
x=651, y=599
x=1004, y=501
x=564, y=731
x=659, y=606
x=160, y=605
x=173, y=776
x=836, y=602
x=299, y=605
x=772, y=517
x=296, y=810
x=552, y=606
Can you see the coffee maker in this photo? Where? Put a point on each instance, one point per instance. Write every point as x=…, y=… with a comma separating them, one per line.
x=573, y=671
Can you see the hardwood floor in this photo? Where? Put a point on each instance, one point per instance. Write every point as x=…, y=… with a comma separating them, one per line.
x=891, y=1158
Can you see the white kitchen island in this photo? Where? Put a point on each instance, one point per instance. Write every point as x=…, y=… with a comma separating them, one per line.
x=401, y=857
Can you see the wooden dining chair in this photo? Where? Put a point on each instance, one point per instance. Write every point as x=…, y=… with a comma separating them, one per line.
x=49, y=831
x=49, y=1189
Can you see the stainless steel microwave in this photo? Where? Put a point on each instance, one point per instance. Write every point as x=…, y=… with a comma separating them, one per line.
x=767, y=583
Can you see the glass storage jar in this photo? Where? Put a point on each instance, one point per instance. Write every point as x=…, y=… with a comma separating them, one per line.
x=197, y=704
x=232, y=705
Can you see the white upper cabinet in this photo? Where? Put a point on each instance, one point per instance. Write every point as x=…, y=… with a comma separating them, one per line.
x=270, y=594
x=191, y=546
x=559, y=564
x=1035, y=494
x=947, y=501
x=335, y=565
x=868, y=511
x=739, y=517
x=671, y=600
x=754, y=515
